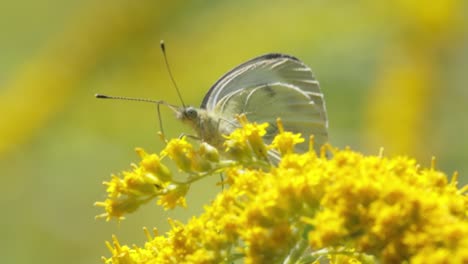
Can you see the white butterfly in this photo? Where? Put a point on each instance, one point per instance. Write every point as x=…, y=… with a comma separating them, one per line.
x=264, y=88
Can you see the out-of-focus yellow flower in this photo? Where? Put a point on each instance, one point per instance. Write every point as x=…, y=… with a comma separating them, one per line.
x=408, y=77
x=348, y=208
x=44, y=85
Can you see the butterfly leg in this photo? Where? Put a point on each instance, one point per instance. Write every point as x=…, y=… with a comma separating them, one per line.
x=190, y=136
x=161, y=128
x=222, y=181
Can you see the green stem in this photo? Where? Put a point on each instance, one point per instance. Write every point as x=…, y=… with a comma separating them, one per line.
x=296, y=252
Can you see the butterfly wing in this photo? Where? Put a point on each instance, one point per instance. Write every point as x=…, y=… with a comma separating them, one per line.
x=271, y=86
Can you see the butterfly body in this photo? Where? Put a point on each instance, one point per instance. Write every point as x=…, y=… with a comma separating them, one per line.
x=264, y=88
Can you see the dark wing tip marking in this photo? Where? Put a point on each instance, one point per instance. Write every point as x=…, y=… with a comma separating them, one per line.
x=268, y=56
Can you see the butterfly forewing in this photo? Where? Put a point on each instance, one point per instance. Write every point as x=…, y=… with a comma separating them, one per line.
x=268, y=87
x=269, y=68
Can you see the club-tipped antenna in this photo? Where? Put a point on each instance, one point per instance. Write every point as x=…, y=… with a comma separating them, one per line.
x=103, y=96
x=163, y=49
x=157, y=102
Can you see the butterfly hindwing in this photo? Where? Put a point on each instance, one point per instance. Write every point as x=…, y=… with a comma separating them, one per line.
x=267, y=102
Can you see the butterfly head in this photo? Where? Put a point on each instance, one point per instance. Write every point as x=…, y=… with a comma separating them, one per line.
x=206, y=125
x=190, y=115
x=187, y=113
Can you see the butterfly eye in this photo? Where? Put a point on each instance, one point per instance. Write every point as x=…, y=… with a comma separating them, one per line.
x=191, y=113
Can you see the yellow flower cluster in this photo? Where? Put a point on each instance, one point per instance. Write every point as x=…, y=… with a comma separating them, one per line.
x=146, y=181
x=347, y=208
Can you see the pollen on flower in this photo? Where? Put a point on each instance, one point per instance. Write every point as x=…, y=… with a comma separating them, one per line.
x=308, y=208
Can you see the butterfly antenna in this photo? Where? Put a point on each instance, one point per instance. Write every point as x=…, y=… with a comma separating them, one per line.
x=103, y=96
x=158, y=103
x=163, y=48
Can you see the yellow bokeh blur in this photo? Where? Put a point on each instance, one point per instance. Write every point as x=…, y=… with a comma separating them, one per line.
x=393, y=75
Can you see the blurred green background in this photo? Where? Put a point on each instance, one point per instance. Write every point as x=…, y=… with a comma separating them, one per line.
x=394, y=75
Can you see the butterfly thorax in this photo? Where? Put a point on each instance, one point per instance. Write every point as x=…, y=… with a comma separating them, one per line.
x=206, y=124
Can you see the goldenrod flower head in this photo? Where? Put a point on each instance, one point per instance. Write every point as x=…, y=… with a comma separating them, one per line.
x=286, y=141
x=152, y=165
x=189, y=159
x=346, y=208
x=209, y=152
x=180, y=151
x=247, y=143
x=173, y=196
